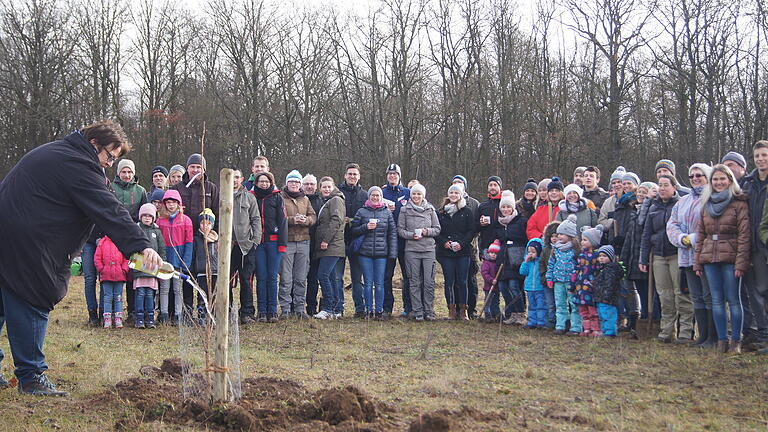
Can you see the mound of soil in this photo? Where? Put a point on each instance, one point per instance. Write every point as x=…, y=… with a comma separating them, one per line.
x=446, y=420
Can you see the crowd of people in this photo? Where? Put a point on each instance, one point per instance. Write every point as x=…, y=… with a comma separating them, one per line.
x=566, y=256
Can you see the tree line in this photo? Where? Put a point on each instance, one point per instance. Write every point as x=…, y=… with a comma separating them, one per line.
x=439, y=86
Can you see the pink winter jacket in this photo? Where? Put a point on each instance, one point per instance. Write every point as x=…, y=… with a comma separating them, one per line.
x=110, y=263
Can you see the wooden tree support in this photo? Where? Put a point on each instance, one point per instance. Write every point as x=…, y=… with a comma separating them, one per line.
x=221, y=308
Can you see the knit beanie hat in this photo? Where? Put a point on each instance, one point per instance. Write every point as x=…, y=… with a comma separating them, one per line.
x=159, y=169
x=126, y=163
x=618, y=174
x=148, y=209
x=536, y=245
x=530, y=184
x=555, y=184
x=374, y=189
x=196, y=158
x=208, y=215
x=172, y=194
x=495, y=247
x=294, y=175
x=156, y=195
x=665, y=163
x=579, y=170
x=706, y=169
x=394, y=168
x=593, y=234
x=507, y=198
x=736, y=157
x=608, y=251
x=568, y=226
x=460, y=177
x=456, y=187
x=648, y=185
x=178, y=168
x=544, y=184
x=418, y=187
x=630, y=176
x=496, y=179
x=573, y=187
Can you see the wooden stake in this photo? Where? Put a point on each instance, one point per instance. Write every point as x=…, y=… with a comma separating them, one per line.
x=221, y=308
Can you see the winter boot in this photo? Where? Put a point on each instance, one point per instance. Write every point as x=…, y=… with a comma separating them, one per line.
x=735, y=347
x=712, y=332
x=163, y=318
x=452, y=311
x=118, y=320
x=722, y=346
x=702, y=325
x=93, y=318
x=463, y=315
x=107, y=320
x=149, y=320
x=632, y=325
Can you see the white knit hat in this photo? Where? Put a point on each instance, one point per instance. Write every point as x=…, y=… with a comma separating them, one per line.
x=573, y=187
x=507, y=198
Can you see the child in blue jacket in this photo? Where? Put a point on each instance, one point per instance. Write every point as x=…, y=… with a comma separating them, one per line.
x=561, y=272
x=537, y=303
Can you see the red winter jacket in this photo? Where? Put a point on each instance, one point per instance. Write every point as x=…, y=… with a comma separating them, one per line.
x=110, y=262
x=540, y=220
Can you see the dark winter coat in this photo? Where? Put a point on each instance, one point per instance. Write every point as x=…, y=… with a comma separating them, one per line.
x=625, y=212
x=131, y=194
x=607, y=285
x=316, y=201
x=192, y=200
x=757, y=191
x=51, y=200
x=380, y=242
x=597, y=196
x=156, y=242
x=513, y=237
x=489, y=208
x=525, y=207
x=458, y=228
x=630, y=249
x=354, y=199
x=655, y=230
x=274, y=225
x=213, y=253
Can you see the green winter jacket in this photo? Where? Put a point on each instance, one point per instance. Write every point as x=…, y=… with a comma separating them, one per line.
x=330, y=227
x=131, y=194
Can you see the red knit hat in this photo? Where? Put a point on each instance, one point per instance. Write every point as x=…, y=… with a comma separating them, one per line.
x=495, y=247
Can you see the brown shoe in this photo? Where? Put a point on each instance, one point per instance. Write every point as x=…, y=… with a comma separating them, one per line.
x=451, y=311
x=735, y=347
x=463, y=313
x=722, y=346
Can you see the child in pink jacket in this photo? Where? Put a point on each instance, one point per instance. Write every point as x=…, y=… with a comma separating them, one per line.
x=489, y=268
x=113, y=272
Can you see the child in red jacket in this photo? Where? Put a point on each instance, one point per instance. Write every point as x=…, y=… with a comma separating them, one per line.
x=113, y=272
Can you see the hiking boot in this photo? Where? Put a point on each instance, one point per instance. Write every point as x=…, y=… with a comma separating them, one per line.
x=139, y=324
x=93, y=318
x=378, y=316
x=162, y=318
x=463, y=313
x=107, y=320
x=452, y=312
x=40, y=386
x=247, y=319
x=284, y=315
x=722, y=346
x=118, y=320
x=272, y=318
x=4, y=384
x=633, y=334
x=430, y=317
x=150, y=324
x=735, y=347
x=361, y=315
x=339, y=315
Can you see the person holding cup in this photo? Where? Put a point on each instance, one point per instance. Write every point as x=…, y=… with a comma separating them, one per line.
x=375, y=223
x=295, y=264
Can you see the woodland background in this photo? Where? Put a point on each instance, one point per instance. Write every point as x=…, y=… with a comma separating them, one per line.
x=439, y=86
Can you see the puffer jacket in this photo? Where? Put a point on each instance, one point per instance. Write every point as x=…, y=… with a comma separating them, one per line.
x=546, y=251
x=607, y=285
x=655, y=230
x=732, y=244
x=274, y=225
x=561, y=266
x=155, y=237
x=530, y=269
x=414, y=218
x=330, y=226
x=110, y=262
x=684, y=221
x=459, y=228
x=300, y=205
x=131, y=194
x=540, y=219
x=381, y=241
x=586, y=216
x=630, y=249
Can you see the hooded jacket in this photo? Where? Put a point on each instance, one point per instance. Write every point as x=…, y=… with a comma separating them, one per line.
x=178, y=236
x=546, y=251
x=131, y=194
x=655, y=230
x=300, y=205
x=246, y=220
x=684, y=221
x=274, y=224
x=110, y=262
x=191, y=196
x=530, y=269
x=414, y=218
x=380, y=242
x=725, y=239
x=330, y=226
x=47, y=218
x=156, y=242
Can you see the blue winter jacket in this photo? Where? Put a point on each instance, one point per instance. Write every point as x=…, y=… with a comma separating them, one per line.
x=400, y=195
x=562, y=266
x=380, y=242
x=530, y=269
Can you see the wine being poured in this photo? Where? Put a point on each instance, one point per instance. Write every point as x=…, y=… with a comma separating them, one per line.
x=165, y=271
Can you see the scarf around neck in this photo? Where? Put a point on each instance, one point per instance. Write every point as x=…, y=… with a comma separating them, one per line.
x=562, y=247
x=375, y=206
x=718, y=202
x=505, y=220
x=293, y=195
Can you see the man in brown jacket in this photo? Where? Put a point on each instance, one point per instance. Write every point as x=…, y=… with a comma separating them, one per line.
x=295, y=264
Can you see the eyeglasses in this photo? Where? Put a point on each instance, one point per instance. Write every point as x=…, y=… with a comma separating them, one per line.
x=697, y=175
x=110, y=157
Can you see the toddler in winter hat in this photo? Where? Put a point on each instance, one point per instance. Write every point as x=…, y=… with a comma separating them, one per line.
x=495, y=247
x=568, y=227
x=593, y=235
x=608, y=251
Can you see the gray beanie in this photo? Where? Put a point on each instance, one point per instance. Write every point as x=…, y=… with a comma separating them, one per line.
x=593, y=235
x=736, y=157
x=126, y=163
x=178, y=168
x=418, y=187
x=374, y=189
x=196, y=158
x=618, y=174
x=630, y=176
x=608, y=251
x=568, y=227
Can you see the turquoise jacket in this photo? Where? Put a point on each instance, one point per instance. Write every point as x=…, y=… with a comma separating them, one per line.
x=530, y=269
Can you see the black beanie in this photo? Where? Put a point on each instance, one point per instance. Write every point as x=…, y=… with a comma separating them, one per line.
x=160, y=169
x=531, y=184
x=555, y=184
x=496, y=179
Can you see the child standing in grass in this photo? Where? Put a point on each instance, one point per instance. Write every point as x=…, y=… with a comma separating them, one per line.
x=113, y=273
x=537, y=305
x=488, y=269
x=206, y=239
x=549, y=238
x=586, y=267
x=606, y=286
x=145, y=285
x=178, y=236
x=560, y=272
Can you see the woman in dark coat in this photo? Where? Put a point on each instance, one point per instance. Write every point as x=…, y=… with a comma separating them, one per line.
x=51, y=200
x=457, y=228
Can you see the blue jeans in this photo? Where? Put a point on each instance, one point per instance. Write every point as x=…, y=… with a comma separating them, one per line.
x=267, y=267
x=145, y=303
x=113, y=296
x=332, y=300
x=374, y=269
x=356, y=274
x=537, y=308
x=608, y=315
x=566, y=308
x=724, y=286
x=389, y=297
x=456, y=272
x=549, y=299
x=510, y=290
x=27, y=325
x=699, y=289
x=89, y=276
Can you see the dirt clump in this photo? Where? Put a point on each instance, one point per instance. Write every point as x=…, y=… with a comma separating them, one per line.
x=465, y=417
x=431, y=422
x=173, y=367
